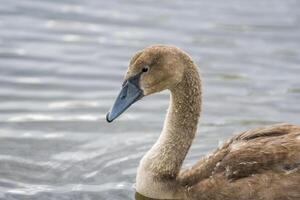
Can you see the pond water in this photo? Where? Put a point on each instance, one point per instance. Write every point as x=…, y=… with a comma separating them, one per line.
x=61, y=67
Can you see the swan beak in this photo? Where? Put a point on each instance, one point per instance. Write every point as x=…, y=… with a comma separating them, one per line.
x=129, y=94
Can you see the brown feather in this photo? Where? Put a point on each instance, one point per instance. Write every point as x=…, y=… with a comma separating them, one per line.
x=258, y=164
x=265, y=166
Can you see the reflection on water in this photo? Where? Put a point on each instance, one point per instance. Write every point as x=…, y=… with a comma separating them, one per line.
x=62, y=63
x=138, y=196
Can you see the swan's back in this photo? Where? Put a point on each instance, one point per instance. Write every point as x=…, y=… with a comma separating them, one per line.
x=262, y=163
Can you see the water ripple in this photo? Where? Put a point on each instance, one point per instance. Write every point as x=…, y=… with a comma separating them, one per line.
x=62, y=65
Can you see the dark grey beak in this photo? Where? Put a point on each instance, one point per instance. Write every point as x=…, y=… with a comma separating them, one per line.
x=129, y=94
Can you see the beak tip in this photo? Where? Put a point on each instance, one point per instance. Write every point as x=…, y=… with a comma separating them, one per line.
x=107, y=118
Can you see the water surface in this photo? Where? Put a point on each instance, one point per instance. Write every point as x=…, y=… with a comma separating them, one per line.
x=61, y=66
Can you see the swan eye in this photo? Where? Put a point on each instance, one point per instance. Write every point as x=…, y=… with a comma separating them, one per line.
x=145, y=69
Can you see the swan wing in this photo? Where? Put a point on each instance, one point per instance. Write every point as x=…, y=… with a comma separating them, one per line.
x=274, y=147
x=262, y=163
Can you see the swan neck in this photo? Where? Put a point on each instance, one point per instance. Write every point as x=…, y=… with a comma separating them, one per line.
x=159, y=168
x=182, y=118
x=168, y=153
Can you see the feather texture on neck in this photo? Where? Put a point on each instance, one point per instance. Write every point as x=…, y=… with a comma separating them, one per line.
x=159, y=168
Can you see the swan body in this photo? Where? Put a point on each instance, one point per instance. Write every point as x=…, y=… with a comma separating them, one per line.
x=258, y=164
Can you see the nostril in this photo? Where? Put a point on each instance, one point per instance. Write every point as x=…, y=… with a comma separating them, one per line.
x=124, y=93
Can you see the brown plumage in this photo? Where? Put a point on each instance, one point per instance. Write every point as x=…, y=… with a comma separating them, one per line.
x=259, y=164
x=262, y=163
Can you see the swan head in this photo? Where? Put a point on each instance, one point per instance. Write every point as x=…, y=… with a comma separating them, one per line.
x=151, y=70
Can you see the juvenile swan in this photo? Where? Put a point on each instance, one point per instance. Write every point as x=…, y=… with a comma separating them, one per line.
x=259, y=164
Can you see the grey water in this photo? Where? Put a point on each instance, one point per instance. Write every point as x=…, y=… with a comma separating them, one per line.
x=62, y=64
